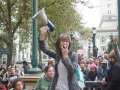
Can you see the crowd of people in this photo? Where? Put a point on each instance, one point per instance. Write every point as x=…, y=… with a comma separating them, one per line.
x=60, y=74
x=9, y=77
x=104, y=69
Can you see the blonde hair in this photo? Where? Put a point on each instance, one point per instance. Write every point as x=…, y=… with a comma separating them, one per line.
x=91, y=60
x=111, y=54
x=83, y=61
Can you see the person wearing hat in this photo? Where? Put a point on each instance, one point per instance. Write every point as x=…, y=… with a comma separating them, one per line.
x=2, y=84
x=103, y=69
x=112, y=80
x=92, y=74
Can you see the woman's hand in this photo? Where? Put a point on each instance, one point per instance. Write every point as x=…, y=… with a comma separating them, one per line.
x=64, y=52
x=43, y=30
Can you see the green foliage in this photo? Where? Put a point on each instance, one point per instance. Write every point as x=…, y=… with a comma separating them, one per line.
x=16, y=19
x=110, y=45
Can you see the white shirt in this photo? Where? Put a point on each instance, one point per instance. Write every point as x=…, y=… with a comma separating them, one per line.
x=62, y=83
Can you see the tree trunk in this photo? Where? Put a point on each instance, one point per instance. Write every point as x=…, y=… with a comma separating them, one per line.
x=9, y=57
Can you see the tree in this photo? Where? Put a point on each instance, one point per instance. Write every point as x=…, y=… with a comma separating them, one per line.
x=13, y=14
x=110, y=45
x=16, y=18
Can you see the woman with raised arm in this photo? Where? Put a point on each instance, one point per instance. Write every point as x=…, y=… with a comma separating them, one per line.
x=64, y=78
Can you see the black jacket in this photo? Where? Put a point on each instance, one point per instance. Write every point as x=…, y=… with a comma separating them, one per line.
x=71, y=67
x=92, y=76
x=113, y=77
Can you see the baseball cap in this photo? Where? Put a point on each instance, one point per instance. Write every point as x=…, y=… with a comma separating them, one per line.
x=104, y=61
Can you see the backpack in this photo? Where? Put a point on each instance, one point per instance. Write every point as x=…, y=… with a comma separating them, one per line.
x=78, y=73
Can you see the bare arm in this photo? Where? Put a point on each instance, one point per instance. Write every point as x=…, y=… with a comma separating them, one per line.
x=116, y=49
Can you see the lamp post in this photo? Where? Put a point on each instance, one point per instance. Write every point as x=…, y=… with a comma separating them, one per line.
x=88, y=49
x=34, y=61
x=118, y=3
x=94, y=34
x=93, y=38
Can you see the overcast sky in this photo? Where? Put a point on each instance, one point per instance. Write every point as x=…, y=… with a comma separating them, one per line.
x=90, y=16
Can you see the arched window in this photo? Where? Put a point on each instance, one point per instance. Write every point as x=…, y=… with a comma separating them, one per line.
x=102, y=39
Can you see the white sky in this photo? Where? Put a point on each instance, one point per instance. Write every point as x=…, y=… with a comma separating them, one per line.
x=90, y=16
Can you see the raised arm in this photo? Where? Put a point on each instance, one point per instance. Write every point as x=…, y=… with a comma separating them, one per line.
x=43, y=30
x=42, y=45
x=116, y=49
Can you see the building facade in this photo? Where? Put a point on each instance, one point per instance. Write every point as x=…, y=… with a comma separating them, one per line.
x=108, y=24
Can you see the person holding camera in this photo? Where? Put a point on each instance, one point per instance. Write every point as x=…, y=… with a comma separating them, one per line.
x=64, y=78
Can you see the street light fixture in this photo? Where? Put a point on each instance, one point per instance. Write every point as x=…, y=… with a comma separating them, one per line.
x=88, y=49
x=93, y=37
x=34, y=61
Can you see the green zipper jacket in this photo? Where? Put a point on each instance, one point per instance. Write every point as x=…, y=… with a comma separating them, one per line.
x=42, y=84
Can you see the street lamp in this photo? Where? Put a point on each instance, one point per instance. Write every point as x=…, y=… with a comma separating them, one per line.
x=34, y=61
x=93, y=37
x=88, y=49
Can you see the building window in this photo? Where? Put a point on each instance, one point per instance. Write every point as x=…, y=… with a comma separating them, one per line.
x=102, y=40
x=109, y=5
x=109, y=11
x=103, y=48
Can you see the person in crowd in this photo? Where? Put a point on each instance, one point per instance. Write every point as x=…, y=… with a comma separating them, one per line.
x=1, y=73
x=100, y=58
x=7, y=72
x=26, y=67
x=3, y=69
x=83, y=67
x=18, y=84
x=53, y=64
x=18, y=72
x=90, y=60
x=103, y=69
x=12, y=77
x=2, y=84
x=92, y=74
x=43, y=67
x=95, y=51
x=64, y=78
x=112, y=80
x=106, y=57
x=13, y=64
x=44, y=82
x=96, y=61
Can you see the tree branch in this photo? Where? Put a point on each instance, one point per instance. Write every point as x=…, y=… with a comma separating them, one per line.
x=13, y=3
x=17, y=24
